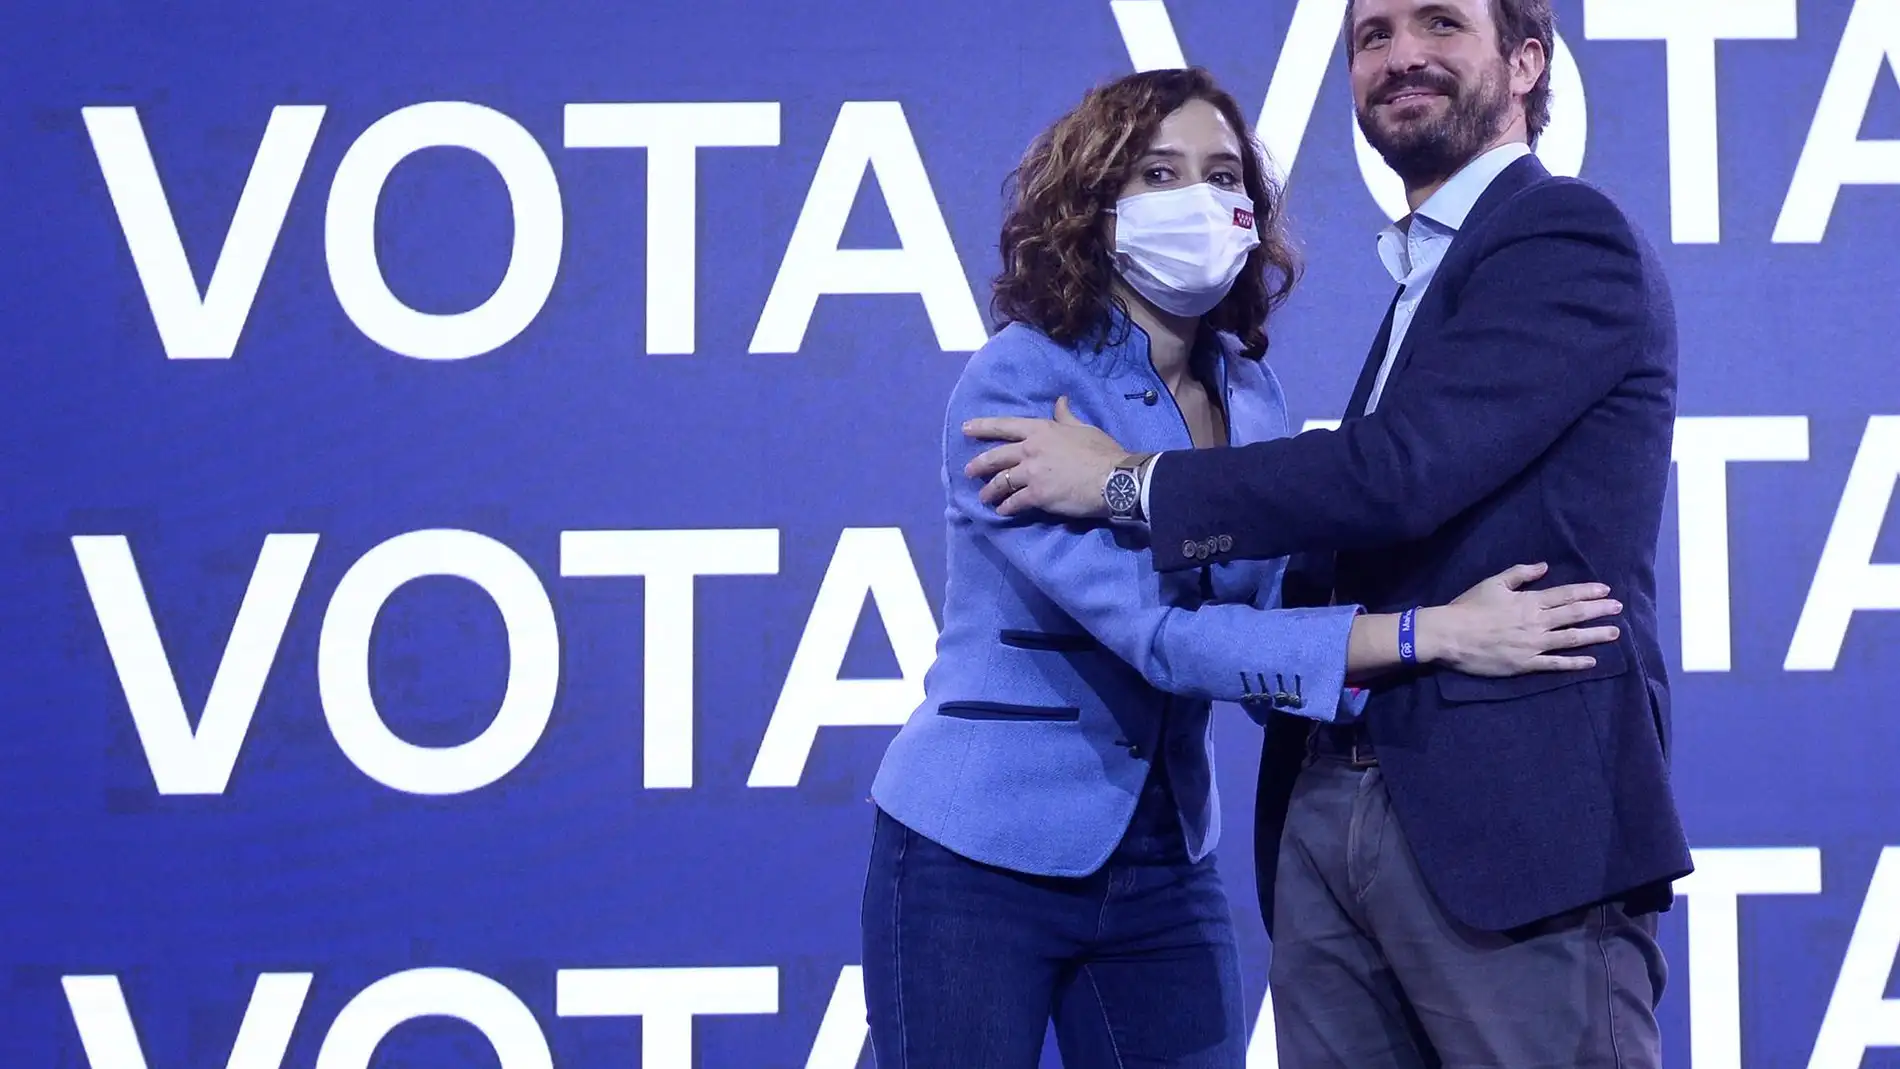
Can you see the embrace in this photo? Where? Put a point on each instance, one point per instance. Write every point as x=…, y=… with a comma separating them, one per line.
x=1441, y=615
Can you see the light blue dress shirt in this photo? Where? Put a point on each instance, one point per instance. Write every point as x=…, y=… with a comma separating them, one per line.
x=1413, y=247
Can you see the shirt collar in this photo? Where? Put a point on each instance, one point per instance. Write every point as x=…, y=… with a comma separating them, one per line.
x=1448, y=208
x=1455, y=199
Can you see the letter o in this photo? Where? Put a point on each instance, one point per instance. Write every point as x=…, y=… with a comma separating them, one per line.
x=349, y=231
x=343, y=648
x=492, y=1009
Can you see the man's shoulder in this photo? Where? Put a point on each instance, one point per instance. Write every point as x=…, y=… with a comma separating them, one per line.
x=1559, y=202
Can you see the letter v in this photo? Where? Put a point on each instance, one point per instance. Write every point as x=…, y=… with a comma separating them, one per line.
x=110, y=1041
x=191, y=327
x=1311, y=43
x=183, y=760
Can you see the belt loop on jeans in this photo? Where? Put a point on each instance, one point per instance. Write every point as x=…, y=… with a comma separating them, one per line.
x=1348, y=744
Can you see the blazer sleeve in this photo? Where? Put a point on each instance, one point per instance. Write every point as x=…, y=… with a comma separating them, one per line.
x=1351, y=701
x=1549, y=321
x=1104, y=578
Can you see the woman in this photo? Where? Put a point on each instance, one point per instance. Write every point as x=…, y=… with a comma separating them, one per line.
x=1046, y=818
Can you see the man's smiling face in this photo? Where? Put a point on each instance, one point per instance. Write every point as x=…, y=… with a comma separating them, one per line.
x=1430, y=85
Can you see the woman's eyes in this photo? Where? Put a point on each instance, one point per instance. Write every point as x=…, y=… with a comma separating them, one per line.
x=1161, y=176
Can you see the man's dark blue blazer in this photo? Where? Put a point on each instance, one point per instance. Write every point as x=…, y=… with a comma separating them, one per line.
x=1527, y=417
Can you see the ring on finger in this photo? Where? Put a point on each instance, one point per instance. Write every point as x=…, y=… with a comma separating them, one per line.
x=1009, y=482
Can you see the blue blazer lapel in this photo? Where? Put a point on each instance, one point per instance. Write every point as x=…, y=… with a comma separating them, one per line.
x=1362, y=390
x=1431, y=310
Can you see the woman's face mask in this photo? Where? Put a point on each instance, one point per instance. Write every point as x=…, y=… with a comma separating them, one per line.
x=1182, y=248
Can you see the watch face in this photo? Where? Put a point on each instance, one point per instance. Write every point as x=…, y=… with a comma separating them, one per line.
x=1121, y=493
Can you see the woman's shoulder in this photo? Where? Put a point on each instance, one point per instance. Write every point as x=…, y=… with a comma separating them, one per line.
x=1016, y=345
x=1023, y=360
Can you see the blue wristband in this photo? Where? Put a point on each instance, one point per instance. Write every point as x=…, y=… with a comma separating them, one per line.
x=1408, y=636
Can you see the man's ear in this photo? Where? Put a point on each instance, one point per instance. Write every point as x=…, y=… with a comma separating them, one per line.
x=1528, y=64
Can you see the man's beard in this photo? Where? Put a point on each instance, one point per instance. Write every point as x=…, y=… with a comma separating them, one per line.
x=1427, y=150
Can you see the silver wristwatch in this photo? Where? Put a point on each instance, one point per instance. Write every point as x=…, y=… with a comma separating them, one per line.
x=1121, y=491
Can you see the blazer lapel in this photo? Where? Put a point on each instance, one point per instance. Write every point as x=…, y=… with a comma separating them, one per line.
x=1362, y=391
x=1311, y=577
x=1430, y=311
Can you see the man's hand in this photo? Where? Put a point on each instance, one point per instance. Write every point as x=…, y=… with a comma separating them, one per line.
x=1057, y=465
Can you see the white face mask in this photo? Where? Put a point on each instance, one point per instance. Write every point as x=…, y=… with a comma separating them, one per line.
x=1182, y=248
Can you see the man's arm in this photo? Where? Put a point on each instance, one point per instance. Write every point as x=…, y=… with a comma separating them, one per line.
x=1104, y=580
x=1548, y=323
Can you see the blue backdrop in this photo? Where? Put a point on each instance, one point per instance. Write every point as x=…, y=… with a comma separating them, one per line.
x=471, y=512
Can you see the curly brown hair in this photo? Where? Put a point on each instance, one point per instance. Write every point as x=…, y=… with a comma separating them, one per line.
x=1057, y=263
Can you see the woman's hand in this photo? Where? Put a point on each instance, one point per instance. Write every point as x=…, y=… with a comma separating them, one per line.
x=1496, y=629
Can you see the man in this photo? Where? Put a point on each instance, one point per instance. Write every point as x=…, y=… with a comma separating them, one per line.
x=1470, y=873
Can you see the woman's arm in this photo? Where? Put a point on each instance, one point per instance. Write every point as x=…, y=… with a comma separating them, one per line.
x=1493, y=629
x=1549, y=321
x=1103, y=578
